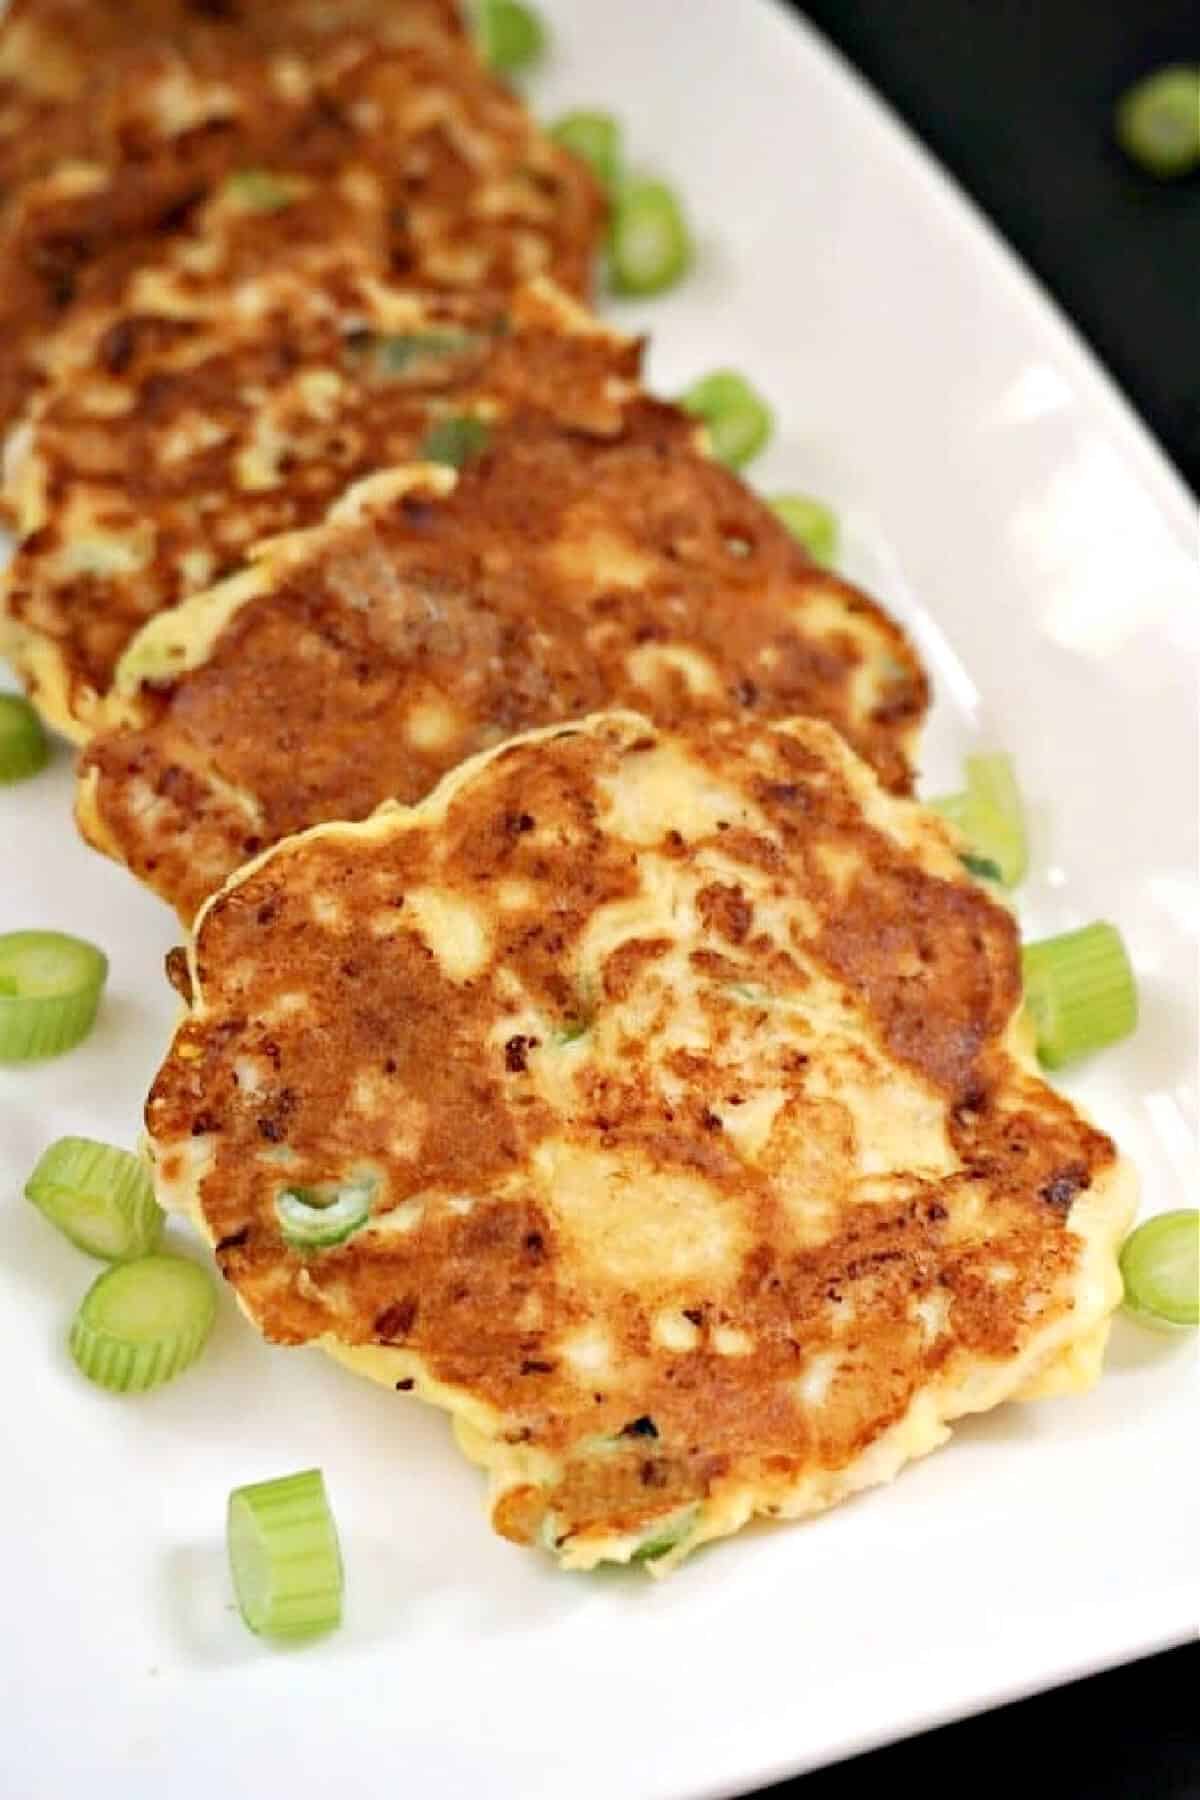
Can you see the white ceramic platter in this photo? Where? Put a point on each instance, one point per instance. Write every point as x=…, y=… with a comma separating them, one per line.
x=1002, y=498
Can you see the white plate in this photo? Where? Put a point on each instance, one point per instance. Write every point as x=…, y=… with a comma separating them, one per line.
x=1000, y=495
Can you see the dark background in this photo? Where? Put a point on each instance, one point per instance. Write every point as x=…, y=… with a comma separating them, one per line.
x=1015, y=97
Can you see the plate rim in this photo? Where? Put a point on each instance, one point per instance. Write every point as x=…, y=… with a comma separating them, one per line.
x=1099, y=393
x=1022, y=282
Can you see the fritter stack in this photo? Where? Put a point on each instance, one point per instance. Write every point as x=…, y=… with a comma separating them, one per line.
x=663, y=1060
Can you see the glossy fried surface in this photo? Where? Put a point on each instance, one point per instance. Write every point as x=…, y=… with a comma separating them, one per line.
x=564, y=571
x=408, y=150
x=184, y=426
x=58, y=56
x=89, y=30
x=707, y=1173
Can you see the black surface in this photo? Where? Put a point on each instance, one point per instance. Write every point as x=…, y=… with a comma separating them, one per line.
x=1127, y=1735
x=1015, y=97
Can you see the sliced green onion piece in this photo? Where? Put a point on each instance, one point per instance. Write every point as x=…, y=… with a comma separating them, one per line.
x=595, y=138
x=312, y=1219
x=810, y=522
x=981, y=867
x=649, y=246
x=664, y=1536
x=1160, y=1266
x=1080, y=991
x=100, y=1197
x=260, y=191
x=455, y=440
x=1158, y=121
x=997, y=816
x=284, y=1556
x=991, y=817
x=952, y=807
x=23, y=746
x=50, y=986
x=510, y=36
x=396, y=354
x=142, y=1323
x=738, y=419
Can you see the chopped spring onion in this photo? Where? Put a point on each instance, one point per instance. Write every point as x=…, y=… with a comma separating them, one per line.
x=100, y=1197
x=455, y=440
x=981, y=867
x=666, y=1535
x=991, y=818
x=23, y=746
x=738, y=419
x=1158, y=121
x=312, y=1219
x=142, y=1323
x=260, y=191
x=582, y=1016
x=953, y=808
x=810, y=522
x=510, y=36
x=284, y=1556
x=1160, y=1265
x=595, y=138
x=1080, y=991
x=649, y=245
x=50, y=986
x=396, y=354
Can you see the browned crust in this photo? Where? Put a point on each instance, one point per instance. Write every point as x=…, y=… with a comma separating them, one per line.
x=903, y=945
x=57, y=56
x=97, y=29
x=360, y=107
x=125, y=471
x=499, y=602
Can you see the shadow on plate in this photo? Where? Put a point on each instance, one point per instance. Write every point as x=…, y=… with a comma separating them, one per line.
x=200, y=1612
x=1136, y=1348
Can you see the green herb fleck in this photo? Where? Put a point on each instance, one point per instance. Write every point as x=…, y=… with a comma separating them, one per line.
x=455, y=440
x=982, y=867
x=260, y=191
x=585, y=1016
x=396, y=355
x=667, y=1536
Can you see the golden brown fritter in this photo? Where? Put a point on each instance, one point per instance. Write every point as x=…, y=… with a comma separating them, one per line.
x=183, y=427
x=85, y=32
x=410, y=152
x=57, y=56
x=563, y=571
x=693, y=1159
x=40, y=122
